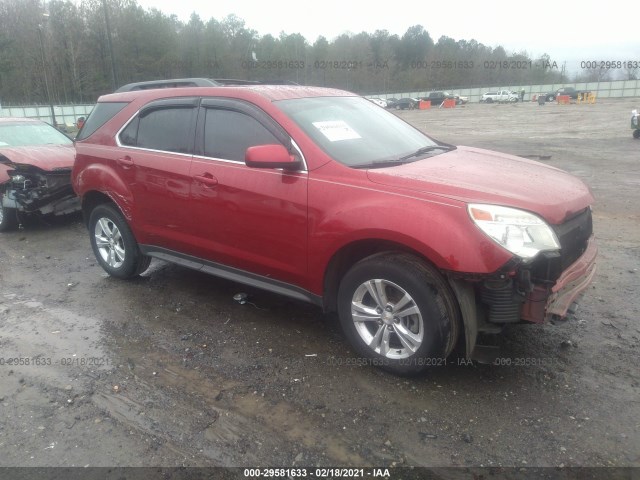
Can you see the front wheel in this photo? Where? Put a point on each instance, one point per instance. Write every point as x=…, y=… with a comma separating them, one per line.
x=398, y=313
x=636, y=134
x=114, y=245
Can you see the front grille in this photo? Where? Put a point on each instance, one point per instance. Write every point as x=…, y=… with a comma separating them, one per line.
x=573, y=236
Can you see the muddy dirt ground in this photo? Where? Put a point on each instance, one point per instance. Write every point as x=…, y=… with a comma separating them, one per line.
x=168, y=370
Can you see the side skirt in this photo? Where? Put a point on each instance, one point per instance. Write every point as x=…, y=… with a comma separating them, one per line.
x=231, y=273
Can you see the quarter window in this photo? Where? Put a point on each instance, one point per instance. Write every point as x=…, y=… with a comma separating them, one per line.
x=228, y=134
x=101, y=114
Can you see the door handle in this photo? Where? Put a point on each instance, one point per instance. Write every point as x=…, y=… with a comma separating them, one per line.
x=125, y=161
x=207, y=179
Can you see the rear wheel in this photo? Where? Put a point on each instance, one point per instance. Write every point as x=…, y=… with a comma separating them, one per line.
x=114, y=245
x=636, y=134
x=398, y=313
x=8, y=219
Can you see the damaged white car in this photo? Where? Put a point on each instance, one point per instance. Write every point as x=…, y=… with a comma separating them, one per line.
x=35, y=171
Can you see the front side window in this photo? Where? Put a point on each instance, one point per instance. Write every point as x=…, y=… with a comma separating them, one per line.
x=164, y=129
x=228, y=134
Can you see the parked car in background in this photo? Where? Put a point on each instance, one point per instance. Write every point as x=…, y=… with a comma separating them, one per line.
x=437, y=97
x=35, y=171
x=461, y=100
x=379, y=102
x=391, y=102
x=569, y=91
x=320, y=195
x=406, y=103
x=500, y=96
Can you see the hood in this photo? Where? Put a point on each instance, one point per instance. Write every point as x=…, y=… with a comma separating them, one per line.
x=45, y=157
x=483, y=176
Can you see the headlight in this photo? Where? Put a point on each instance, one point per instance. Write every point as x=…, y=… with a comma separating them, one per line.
x=522, y=233
x=18, y=180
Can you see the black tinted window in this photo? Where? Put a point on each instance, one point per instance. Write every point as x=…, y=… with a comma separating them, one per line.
x=101, y=114
x=167, y=129
x=129, y=135
x=228, y=134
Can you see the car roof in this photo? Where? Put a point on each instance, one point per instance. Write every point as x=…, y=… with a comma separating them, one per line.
x=269, y=92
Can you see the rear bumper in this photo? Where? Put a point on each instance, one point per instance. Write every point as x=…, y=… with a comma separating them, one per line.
x=543, y=304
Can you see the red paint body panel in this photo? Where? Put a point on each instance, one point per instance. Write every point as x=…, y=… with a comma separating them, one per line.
x=345, y=207
x=46, y=158
x=254, y=219
x=4, y=176
x=483, y=176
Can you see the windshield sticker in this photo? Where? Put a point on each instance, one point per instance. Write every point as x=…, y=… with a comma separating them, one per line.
x=336, y=130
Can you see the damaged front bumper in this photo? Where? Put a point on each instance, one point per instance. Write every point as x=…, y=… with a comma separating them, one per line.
x=573, y=281
x=31, y=190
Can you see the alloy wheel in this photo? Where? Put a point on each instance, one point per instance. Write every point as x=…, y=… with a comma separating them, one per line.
x=387, y=319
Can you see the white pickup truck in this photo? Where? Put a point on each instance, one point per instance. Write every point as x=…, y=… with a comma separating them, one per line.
x=501, y=96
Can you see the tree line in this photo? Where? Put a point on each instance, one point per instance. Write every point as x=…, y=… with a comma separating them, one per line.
x=73, y=52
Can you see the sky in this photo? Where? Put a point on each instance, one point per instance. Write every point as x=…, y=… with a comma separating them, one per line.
x=567, y=30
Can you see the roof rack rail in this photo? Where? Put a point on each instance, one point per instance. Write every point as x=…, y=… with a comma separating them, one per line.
x=197, y=82
x=234, y=81
x=171, y=83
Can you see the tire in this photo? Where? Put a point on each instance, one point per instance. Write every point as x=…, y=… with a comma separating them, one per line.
x=8, y=219
x=489, y=100
x=113, y=243
x=398, y=313
x=636, y=134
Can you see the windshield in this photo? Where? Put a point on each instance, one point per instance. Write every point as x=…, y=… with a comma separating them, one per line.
x=356, y=132
x=22, y=134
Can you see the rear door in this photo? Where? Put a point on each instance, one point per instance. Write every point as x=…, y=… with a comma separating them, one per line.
x=254, y=219
x=155, y=160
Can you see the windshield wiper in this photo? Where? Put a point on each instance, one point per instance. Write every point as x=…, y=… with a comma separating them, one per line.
x=424, y=150
x=390, y=162
x=382, y=163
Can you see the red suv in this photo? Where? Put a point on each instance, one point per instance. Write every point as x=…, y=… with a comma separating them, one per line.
x=323, y=196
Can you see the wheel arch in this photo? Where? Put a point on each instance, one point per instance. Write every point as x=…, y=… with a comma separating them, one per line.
x=465, y=330
x=91, y=200
x=350, y=254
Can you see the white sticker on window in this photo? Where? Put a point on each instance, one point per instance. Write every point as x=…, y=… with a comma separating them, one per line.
x=336, y=130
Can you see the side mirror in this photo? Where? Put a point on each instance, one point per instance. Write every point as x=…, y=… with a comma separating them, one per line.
x=270, y=156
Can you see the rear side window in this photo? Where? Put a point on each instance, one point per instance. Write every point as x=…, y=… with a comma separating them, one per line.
x=101, y=114
x=228, y=134
x=164, y=129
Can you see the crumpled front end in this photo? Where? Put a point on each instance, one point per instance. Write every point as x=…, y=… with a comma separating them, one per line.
x=547, y=287
x=33, y=190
